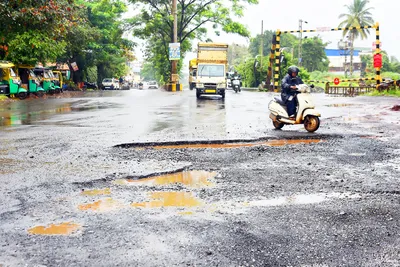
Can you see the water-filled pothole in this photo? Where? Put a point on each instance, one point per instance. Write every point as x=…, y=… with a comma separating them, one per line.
x=66, y=228
x=193, y=179
x=234, y=145
x=169, y=199
x=102, y=205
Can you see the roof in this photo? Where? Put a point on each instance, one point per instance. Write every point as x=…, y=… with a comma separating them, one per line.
x=6, y=64
x=213, y=44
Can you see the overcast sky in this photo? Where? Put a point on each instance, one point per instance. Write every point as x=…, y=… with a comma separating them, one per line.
x=318, y=13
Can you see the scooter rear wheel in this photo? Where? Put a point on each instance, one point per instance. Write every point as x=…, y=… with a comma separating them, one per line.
x=278, y=125
x=311, y=123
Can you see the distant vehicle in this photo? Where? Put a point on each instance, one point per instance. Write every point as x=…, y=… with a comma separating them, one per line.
x=110, y=84
x=152, y=85
x=89, y=85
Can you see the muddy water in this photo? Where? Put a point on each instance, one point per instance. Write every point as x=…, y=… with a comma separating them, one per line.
x=194, y=179
x=169, y=199
x=102, y=205
x=239, y=145
x=96, y=192
x=66, y=228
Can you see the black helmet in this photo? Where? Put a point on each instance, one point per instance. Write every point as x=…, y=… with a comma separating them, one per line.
x=292, y=69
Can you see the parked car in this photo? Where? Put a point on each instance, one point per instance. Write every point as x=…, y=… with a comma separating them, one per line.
x=110, y=84
x=152, y=85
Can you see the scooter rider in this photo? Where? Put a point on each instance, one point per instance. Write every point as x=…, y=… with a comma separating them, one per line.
x=288, y=94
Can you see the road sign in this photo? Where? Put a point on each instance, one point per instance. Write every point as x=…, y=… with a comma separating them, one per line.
x=336, y=81
x=174, y=51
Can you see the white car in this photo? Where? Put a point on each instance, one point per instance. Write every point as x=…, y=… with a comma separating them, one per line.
x=110, y=84
x=152, y=85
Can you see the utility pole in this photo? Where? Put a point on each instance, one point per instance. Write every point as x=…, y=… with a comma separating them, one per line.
x=261, y=50
x=174, y=66
x=300, y=40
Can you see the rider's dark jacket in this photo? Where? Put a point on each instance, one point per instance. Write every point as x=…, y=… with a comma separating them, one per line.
x=286, y=83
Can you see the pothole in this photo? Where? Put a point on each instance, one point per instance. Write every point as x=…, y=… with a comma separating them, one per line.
x=169, y=199
x=193, y=179
x=66, y=228
x=102, y=205
x=227, y=145
x=96, y=192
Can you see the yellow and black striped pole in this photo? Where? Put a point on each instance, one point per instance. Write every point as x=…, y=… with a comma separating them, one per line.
x=271, y=61
x=377, y=51
x=277, y=59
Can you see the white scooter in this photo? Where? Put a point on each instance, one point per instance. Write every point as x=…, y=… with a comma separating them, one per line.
x=305, y=110
x=236, y=84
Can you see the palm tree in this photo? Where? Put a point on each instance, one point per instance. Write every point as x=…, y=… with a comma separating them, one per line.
x=358, y=15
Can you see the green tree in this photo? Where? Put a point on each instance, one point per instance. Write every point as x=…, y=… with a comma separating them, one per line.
x=236, y=54
x=358, y=14
x=313, y=55
x=108, y=50
x=34, y=31
x=287, y=40
x=155, y=24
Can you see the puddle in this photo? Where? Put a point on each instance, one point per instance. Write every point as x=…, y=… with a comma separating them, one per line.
x=395, y=108
x=194, y=179
x=300, y=199
x=66, y=228
x=96, y=192
x=238, y=145
x=102, y=205
x=169, y=199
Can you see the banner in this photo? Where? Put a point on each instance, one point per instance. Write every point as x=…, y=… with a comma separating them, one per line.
x=174, y=51
x=74, y=66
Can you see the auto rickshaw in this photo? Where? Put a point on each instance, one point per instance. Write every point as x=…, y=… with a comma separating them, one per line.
x=10, y=82
x=58, y=81
x=29, y=79
x=55, y=81
x=45, y=79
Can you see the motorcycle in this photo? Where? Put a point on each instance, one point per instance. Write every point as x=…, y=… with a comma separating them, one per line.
x=306, y=113
x=236, y=84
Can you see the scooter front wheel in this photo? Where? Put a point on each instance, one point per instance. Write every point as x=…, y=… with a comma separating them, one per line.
x=311, y=123
x=278, y=125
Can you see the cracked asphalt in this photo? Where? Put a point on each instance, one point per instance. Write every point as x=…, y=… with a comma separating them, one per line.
x=154, y=178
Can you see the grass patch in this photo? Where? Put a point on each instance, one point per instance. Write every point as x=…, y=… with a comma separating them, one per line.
x=3, y=97
x=392, y=92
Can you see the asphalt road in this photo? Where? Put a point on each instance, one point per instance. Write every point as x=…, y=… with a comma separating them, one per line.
x=154, y=178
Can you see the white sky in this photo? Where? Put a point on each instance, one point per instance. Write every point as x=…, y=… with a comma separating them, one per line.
x=318, y=13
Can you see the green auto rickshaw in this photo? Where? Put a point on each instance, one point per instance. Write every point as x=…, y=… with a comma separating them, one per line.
x=45, y=79
x=29, y=80
x=10, y=83
x=58, y=81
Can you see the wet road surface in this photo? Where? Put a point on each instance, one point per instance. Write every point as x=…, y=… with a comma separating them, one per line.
x=197, y=182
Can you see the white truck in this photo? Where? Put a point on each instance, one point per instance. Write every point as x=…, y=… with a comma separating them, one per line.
x=212, y=66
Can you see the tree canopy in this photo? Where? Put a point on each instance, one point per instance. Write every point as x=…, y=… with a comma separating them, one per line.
x=155, y=24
